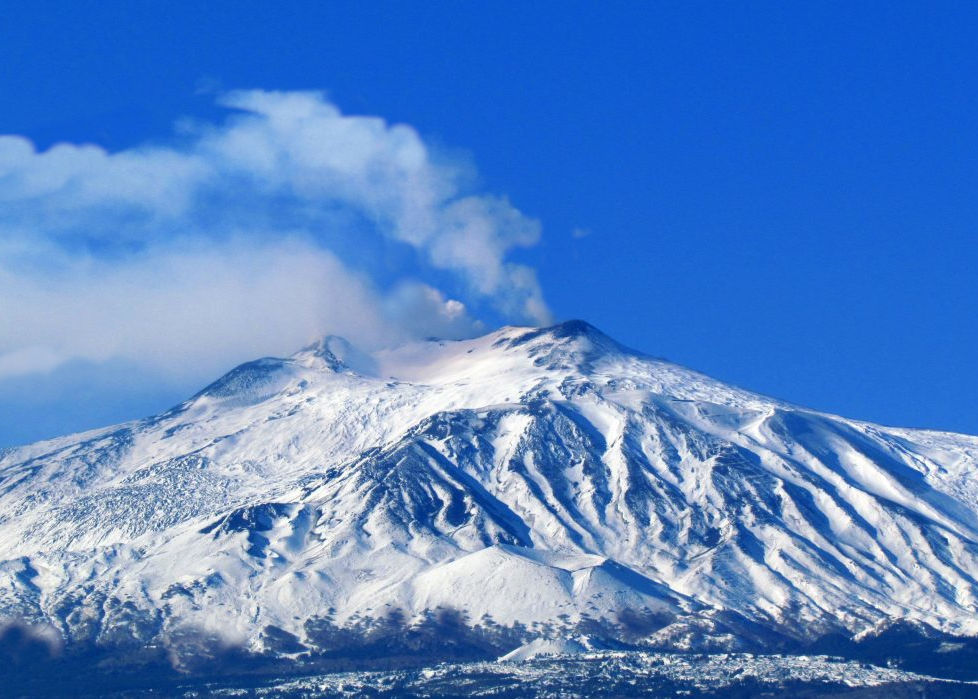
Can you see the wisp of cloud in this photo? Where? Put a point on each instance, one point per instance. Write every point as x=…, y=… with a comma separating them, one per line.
x=247, y=237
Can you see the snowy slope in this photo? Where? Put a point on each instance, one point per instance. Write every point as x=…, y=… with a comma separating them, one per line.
x=528, y=475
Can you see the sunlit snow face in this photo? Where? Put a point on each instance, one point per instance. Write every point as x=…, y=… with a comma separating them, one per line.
x=530, y=475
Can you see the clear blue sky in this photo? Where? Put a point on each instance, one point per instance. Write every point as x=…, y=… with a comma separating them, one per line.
x=781, y=195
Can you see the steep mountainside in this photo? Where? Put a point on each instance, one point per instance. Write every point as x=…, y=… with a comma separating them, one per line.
x=542, y=476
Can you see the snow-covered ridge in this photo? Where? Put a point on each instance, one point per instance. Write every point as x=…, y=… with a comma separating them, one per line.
x=531, y=475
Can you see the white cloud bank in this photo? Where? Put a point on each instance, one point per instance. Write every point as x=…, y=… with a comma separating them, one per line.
x=231, y=242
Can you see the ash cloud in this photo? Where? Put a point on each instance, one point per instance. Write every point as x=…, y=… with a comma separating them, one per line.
x=249, y=237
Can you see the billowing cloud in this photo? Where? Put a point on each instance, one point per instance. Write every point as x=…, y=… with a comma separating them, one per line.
x=247, y=237
x=189, y=310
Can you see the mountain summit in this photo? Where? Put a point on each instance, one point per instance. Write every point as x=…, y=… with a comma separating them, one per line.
x=532, y=478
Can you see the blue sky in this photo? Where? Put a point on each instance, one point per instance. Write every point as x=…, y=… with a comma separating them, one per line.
x=781, y=195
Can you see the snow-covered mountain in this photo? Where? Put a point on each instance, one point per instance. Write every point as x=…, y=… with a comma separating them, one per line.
x=531, y=476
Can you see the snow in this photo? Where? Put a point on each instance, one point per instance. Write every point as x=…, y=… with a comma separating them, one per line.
x=565, y=669
x=527, y=475
x=542, y=648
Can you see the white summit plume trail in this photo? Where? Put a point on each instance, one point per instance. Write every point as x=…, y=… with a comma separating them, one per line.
x=531, y=475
